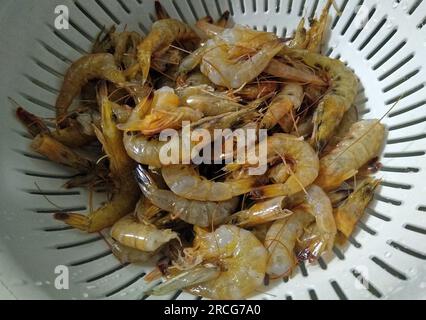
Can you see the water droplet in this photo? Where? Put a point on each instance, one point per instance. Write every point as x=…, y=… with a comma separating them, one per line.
x=422, y=285
x=396, y=4
x=91, y=287
x=123, y=294
x=388, y=254
x=38, y=283
x=85, y=295
x=48, y=282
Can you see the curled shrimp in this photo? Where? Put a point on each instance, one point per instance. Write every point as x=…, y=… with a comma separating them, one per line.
x=262, y=212
x=187, y=183
x=349, y=119
x=235, y=73
x=93, y=66
x=165, y=114
x=351, y=210
x=281, y=240
x=141, y=236
x=126, y=254
x=200, y=213
x=316, y=33
x=303, y=159
x=240, y=261
x=290, y=98
x=163, y=34
x=125, y=193
x=146, y=150
x=338, y=99
x=360, y=145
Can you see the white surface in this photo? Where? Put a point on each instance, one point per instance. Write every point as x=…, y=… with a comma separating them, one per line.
x=28, y=254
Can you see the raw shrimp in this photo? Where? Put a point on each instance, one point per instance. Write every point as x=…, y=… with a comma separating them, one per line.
x=290, y=98
x=73, y=135
x=200, y=213
x=351, y=210
x=222, y=71
x=360, y=145
x=163, y=34
x=279, y=69
x=261, y=212
x=146, y=150
x=338, y=99
x=141, y=236
x=316, y=33
x=182, y=280
x=212, y=104
x=279, y=173
x=300, y=40
x=320, y=207
x=126, y=254
x=59, y=153
x=302, y=157
x=223, y=20
x=187, y=183
x=257, y=90
x=125, y=45
x=240, y=257
x=125, y=193
x=281, y=240
x=93, y=66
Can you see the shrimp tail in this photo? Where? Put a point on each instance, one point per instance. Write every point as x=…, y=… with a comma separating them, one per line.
x=160, y=11
x=270, y=191
x=75, y=220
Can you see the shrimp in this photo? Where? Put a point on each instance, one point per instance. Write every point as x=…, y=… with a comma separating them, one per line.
x=222, y=71
x=301, y=156
x=212, y=104
x=236, y=253
x=351, y=210
x=279, y=173
x=125, y=193
x=73, y=135
x=242, y=259
x=360, y=145
x=290, y=98
x=262, y=212
x=200, y=213
x=281, y=239
x=163, y=34
x=59, y=153
x=187, y=183
x=279, y=69
x=146, y=150
x=126, y=44
x=339, y=98
x=317, y=31
x=257, y=90
x=320, y=207
x=93, y=66
x=300, y=40
x=165, y=114
x=126, y=254
x=139, y=235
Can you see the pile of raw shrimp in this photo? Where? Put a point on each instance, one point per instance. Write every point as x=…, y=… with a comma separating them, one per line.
x=215, y=231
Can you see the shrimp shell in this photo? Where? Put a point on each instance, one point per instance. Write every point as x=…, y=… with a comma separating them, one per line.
x=242, y=258
x=142, y=236
x=362, y=143
x=93, y=66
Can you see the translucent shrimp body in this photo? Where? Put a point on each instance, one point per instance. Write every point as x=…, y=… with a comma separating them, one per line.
x=142, y=236
x=242, y=258
x=351, y=210
x=200, y=213
x=187, y=183
x=303, y=158
x=281, y=239
x=361, y=144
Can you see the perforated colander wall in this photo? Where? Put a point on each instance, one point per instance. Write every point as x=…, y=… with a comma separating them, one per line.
x=383, y=41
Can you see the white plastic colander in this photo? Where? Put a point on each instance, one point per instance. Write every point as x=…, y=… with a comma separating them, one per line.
x=383, y=41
